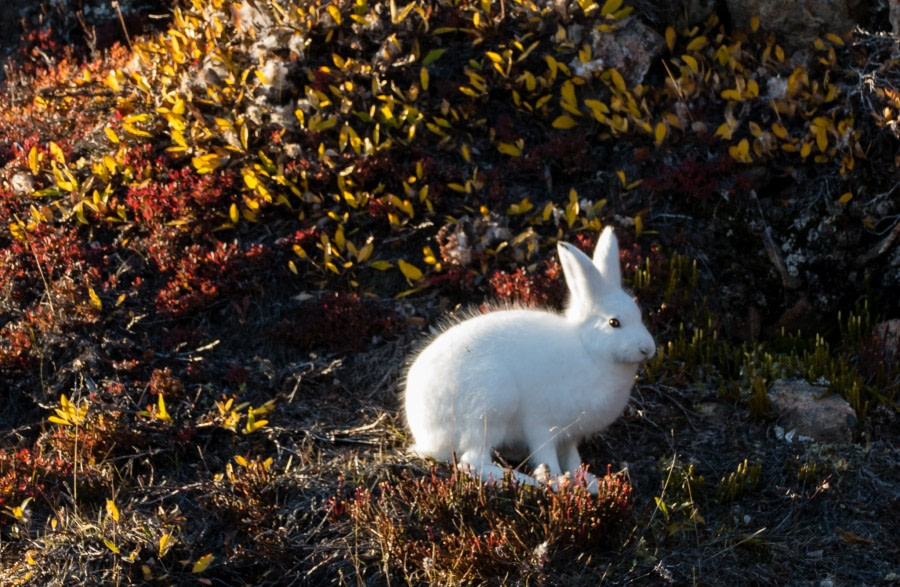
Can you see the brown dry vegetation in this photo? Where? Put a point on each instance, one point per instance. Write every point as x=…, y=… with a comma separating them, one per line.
x=221, y=240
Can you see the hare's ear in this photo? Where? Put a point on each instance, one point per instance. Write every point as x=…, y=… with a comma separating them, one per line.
x=584, y=281
x=606, y=259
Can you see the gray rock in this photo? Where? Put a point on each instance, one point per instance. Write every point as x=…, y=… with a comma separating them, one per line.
x=796, y=22
x=894, y=15
x=803, y=410
x=887, y=336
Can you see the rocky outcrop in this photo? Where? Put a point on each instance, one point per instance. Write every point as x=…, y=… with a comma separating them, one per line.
x=797, y=23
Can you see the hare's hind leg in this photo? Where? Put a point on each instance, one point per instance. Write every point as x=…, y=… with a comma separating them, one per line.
x=479, y=464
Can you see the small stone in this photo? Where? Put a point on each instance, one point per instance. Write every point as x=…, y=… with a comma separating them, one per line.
x=714, y=411
x=21, y=183
x=804, y=411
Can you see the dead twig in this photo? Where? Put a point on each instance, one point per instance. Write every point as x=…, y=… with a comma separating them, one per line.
x=881, y=248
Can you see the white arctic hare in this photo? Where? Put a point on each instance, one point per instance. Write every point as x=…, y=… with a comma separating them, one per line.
x=532, y=379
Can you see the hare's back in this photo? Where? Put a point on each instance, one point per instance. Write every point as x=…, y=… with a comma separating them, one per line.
x=496, y=345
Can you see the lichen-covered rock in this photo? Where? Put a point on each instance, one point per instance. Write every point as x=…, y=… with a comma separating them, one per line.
x=630, y=49
x=796, y=22
x=803, y=410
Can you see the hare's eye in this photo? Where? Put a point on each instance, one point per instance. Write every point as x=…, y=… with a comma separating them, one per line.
x=614, y=322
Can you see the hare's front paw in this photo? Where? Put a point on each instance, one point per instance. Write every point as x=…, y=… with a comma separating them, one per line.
x=544, y=477
x=542, y=473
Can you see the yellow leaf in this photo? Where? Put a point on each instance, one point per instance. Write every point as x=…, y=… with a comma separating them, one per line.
x=34, y=159
x=466, y=153
x=822, y=141
x=754, y=23
x=564, y=122
x=234, y=214
x=166, y=542
x=254, y=425
x=835, y=39
x=203, y=562
x=112, y=81
x=266, y=408
x=752, y=90
x=741, y=151
x=120, y=299
x=57, y=153
x=522, y=207
x=111, y=135
x=691, y=63
x=245, y=136
x=509, y=149
x=846, y=197
x=670, y=38
x=207, y=163
x=59, y=421
x=567, y=97
x=133, y=130
x=547, y=212
x=610, y=6
x=410, y=271
x=617, y=80
x=424, y=78
x=584, y=54
x=779, y=130
x=598, y=108
x=111, y=545
x=239, y=459
x=111, y=510
x=335, y=13
x=366, y=251
x=660, y=133
x=162, y=413
x=95, y=299
x=250, y=179
x=697, y=43
x=725, y=130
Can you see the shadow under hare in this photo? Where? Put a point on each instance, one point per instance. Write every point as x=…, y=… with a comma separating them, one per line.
x=532, y=380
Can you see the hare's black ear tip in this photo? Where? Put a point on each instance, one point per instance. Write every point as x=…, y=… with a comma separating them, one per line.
x=563, y=246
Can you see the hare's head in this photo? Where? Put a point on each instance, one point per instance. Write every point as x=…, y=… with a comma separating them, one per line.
x=610, y=320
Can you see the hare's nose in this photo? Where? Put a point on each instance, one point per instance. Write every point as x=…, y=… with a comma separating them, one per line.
x=648, y=351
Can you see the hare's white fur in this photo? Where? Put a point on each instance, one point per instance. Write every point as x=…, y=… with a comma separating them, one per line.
x=531, y=380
